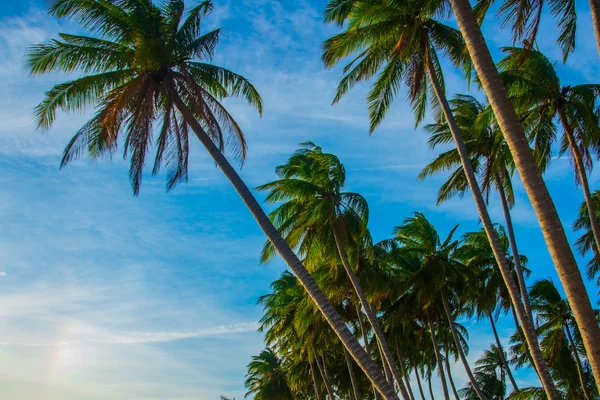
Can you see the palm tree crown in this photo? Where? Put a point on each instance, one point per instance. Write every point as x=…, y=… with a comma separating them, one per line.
x=139, y=59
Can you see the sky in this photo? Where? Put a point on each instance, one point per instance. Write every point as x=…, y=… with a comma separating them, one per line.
x=108, y=296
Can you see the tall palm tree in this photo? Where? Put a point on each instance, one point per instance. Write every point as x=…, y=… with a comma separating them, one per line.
x=543, y=205
x=266, y=379
x=491, y=160
x=145, y=64
x=419, y=237
x=586, y=243
x=535, y=89
x=319, y=219
x=400, y=40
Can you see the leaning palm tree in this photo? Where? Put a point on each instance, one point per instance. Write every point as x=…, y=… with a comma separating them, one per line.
x=543, y=205
x=323, y=222
x=490, y=375
x=266, y=379
x=399, y=41
x=146, y=65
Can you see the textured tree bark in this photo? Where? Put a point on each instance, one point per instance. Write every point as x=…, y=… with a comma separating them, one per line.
x=499, y=256
x=502, y=358
x=331, y=315
x=438, y=359
x=386, y=354
x=459, y=349
x=554, y=234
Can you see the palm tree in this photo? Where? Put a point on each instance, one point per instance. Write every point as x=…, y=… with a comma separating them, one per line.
x=144, y=64
x=489, y=295
x=536, y=91
x=489, y=373
x=266, y=379
x=554, y=234
x=318, y=218
x=556, y=323
x=441, y=276
x=402, y=41
x=491, y=160
x=586, y=243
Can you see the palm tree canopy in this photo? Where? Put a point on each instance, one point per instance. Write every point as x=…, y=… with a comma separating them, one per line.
x=137, y=58
x=489, y=155
x=266, y=379
x=538, y=95
x=585, y=243
x=393, y=40
x=309, y=189
x=524, y=18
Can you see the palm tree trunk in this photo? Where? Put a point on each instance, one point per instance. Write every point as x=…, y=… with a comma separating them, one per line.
x=438, y=359
x=419, y=384
x=331, y=315
x=554, y=234
x=323, y=367
x=502, y=358
x=500, y=257
x=586, y=392
x=582, y=175
x=405, y=375
x=386, y=354
x=386, y=368
x=459, y=347
x=430, y=387
x=595, y=11
x=513, y=247
x=351, y=373
x=363, y=332
x=450, y=378
x=314, y=379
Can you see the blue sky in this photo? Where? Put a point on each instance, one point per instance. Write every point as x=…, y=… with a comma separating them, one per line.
x=105, y=296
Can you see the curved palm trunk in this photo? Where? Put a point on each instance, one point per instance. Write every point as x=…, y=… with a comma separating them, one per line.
x=419, y=384
x=586, y=392
x=461, y=354
x=450, y=378
x=430, y=386
x=582, y=175
x=515, y=297
x=512, y=241
x=351, y=373
x=371, y=317
x=405, y=375
x=595, y=11
x=314, y=379
x=554, y=234
x=502, y=358
x=331, y=315
x=438, y=359
x=386, y=367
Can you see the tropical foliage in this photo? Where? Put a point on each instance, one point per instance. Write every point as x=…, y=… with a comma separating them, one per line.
x=359, y=319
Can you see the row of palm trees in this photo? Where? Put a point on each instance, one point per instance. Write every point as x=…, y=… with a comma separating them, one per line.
x=417, y=285
x=145, y=66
